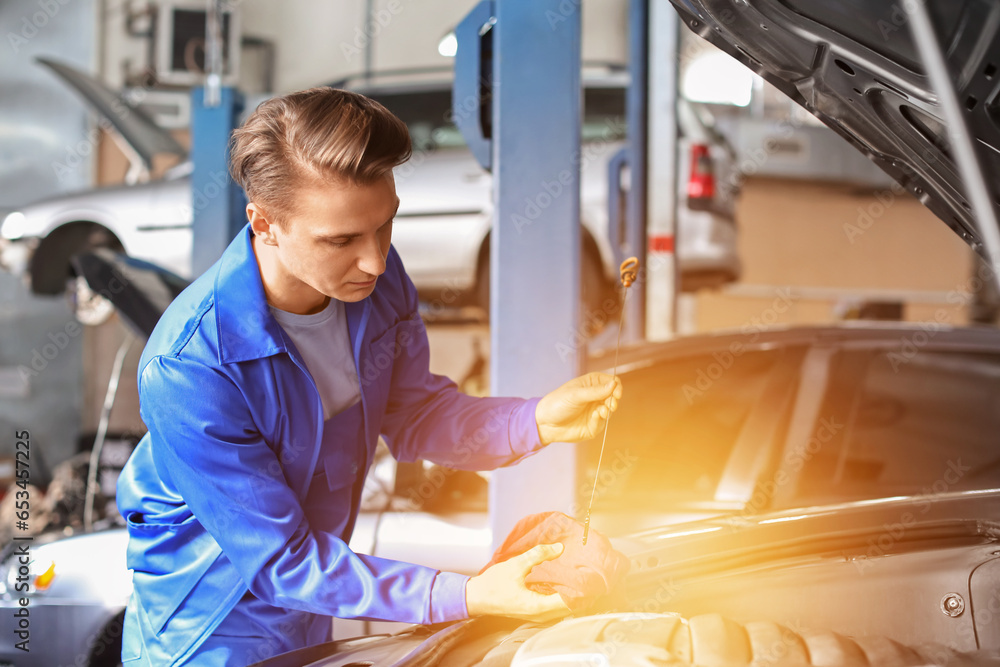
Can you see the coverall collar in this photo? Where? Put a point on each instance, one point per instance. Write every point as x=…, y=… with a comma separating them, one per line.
x=246, y=328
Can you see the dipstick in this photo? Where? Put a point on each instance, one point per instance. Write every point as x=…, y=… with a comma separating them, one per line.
x=628, y=271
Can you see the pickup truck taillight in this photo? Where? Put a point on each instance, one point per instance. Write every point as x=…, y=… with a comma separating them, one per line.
x=701, y=178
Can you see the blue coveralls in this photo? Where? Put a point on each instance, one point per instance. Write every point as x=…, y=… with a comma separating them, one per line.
x=220, y=495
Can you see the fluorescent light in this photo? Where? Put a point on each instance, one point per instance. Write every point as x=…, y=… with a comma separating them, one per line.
x=448, y=46
x=717, y=78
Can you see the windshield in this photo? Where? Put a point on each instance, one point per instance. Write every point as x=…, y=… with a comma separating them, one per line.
x=670, y=442
x=427, y=113
x=912, y=425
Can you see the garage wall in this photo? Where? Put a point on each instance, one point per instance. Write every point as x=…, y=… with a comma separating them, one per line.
x=47, y=143
x=321, y=41
x=837, y=245
x=46, y=139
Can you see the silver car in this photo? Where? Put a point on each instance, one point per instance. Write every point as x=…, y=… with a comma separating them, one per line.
x=442, y=227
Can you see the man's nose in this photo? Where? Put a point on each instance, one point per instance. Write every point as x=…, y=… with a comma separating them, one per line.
x=372, y=261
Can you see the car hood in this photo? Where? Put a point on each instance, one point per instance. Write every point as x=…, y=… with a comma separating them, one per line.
x=140, y=291
x=672, y=558
x=854, y=65
x=710, y=546
x=135, y=127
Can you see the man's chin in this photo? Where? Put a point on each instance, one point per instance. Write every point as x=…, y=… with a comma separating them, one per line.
x=352, y=292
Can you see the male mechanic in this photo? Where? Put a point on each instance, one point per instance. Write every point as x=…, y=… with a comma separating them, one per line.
x=265, y=387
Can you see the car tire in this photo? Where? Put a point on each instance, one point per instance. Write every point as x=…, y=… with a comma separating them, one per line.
x=599, y=304
x=107, y=648
x=49, y=268
x=595, y=291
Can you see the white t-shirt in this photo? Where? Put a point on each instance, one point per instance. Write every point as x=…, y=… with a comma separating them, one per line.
x=323, y=341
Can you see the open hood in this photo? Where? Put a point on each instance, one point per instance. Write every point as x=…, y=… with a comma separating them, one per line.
x=855, y=65
x=145, y=137
x=140, y=291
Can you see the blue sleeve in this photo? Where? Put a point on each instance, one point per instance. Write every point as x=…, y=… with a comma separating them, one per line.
x=427, y=417
x=207, y=449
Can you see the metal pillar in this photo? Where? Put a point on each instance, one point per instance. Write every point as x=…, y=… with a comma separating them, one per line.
x=627, y=224
x=534, y=261
x=635, y=202
x=217, y=203
x=662, y=282
x=966, y=149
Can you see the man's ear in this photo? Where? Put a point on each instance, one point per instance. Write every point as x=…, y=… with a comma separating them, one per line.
x=261, y=223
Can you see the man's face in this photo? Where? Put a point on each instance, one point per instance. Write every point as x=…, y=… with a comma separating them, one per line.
x=337, y=241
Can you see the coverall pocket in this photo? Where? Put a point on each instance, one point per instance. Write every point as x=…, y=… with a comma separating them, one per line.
x=174, y=558
x=132, y=656
x=340, y=470
x=131, y=643
x=137, y=522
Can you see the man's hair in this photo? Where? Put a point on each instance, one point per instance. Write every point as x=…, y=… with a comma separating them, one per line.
x=316, y=135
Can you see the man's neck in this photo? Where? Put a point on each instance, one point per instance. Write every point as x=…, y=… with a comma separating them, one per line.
x=282, y=291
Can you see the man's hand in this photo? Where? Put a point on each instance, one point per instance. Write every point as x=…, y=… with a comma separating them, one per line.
x=577, y=410
x=500, y=590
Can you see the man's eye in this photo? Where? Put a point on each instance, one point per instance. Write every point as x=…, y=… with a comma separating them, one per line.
x=339, y=244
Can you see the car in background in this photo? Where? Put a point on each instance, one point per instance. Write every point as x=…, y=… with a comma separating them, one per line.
x=432, y=218
x=442, y=227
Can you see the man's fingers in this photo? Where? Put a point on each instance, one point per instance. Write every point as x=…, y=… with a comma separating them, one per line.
x=600, y=387
x=598, y=379
x=594, y=423
x=611, y=383
x=594, y=393
x=617, y=392
x=538, y=554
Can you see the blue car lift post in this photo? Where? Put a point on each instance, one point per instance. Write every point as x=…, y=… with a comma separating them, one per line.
x=524, y=55
x=217, y=203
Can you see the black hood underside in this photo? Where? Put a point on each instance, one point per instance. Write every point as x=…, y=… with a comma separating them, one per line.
x=855, y=65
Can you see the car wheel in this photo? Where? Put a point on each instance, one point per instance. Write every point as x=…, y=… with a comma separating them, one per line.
x=49, y=267
x=597, y=298
x=483, y=280
x=89, y=307
x=595, y=292
x=107, y=648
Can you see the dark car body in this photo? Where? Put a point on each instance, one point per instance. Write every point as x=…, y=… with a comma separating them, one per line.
x=846, y=481
x=750, y=422
x=903, y=581
x=856, y=66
